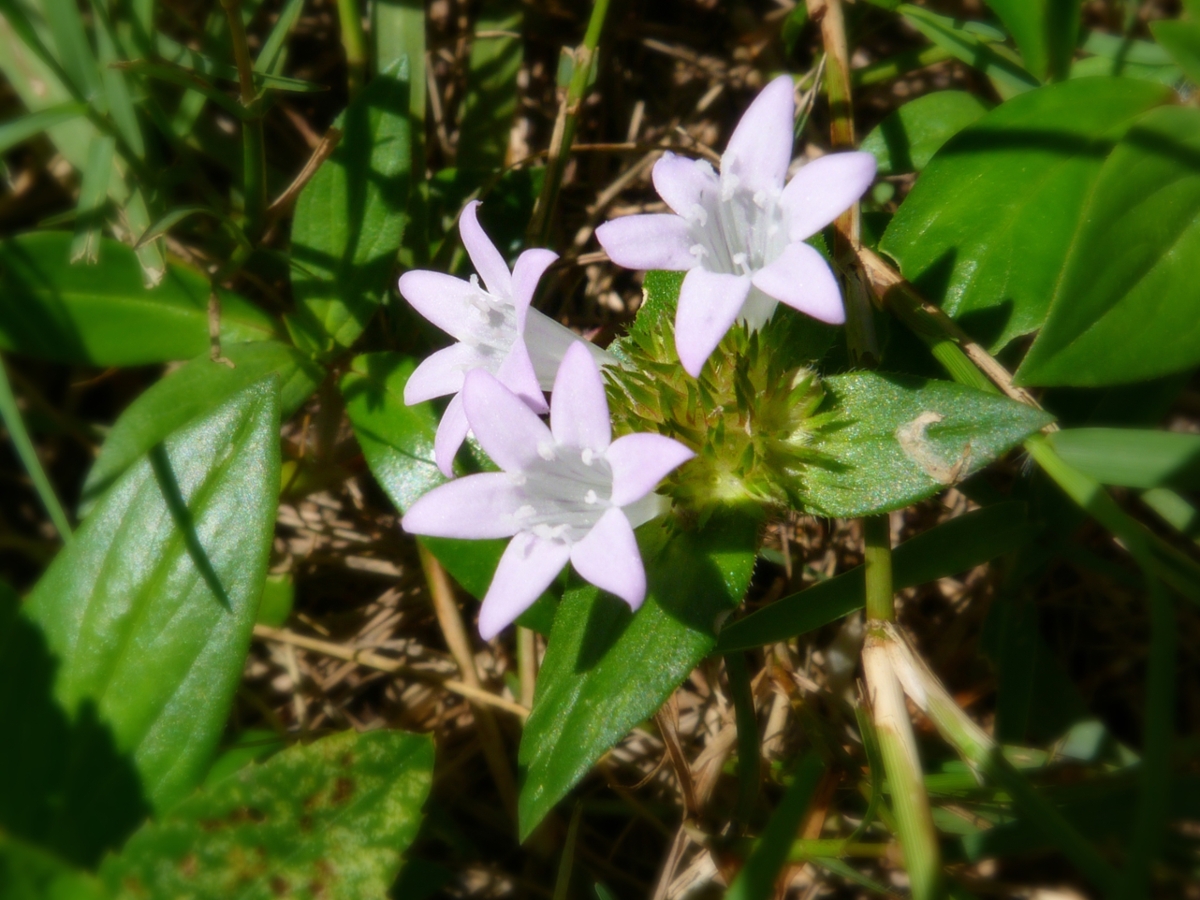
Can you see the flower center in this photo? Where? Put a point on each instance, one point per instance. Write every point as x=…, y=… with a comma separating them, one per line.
x=566, y=494
x=491, y=327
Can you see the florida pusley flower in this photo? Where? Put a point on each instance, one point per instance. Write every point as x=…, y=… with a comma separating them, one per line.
x=496, y=328
x=740, y=234
x=567, y=492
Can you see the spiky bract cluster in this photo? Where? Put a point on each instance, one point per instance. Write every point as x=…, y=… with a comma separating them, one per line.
x=750, y=418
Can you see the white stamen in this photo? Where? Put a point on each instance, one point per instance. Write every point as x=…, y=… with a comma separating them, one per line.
x=760, y=199
x=739, y=259
x=699, y=215
x=524, y=512
x=590, y=497
x=698, y=250
x=587, y=456
x=549, y=532
x=518, y=479
x=545, y=450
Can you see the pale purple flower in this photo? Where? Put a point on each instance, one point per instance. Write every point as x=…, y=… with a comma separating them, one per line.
x=567, y=492
x=740, y=234
x=496, y=329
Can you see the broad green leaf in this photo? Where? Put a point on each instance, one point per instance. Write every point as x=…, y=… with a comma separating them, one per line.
x=1125, y=308
x=491, y=99
x=1132, y=457
x=891, y=440
x=756, y=880
x=103, y=315
x=328, y=819
x=947, y=549
x=987, y=228
x=606, y=669
x=252, y=745
x=907, y=139
x=15, y=131
x=350, y=218
x=1094, y=66
x=1182, y=41
x=123, y=662
x=963, y=40
x=397, y=442
x=189, y=393
x=1046, y=32
x=30, y=873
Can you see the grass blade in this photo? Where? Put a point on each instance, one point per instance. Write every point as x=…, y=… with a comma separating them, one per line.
x=15, y=425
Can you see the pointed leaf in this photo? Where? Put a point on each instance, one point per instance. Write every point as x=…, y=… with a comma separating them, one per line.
x=328, y=819
x=986, y=230
x=1046, y=32
x=103, y=315
x=969, y=42
x=1132, y=457
x=606, y=669
x=1182, y=41
x=895, y=440
x=907, y=139
x=1125, y=308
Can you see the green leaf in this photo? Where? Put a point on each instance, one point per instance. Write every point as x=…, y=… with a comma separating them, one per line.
x=350, y=218
x=1182, y=41
x=30, y=873
x=1125, y=307
x=987, y=228
x=896, y=440
x=491, y=99
x=16, y=131
x=947, y=549
x=907, y=139
x=1046, y=32
x=606, y=669
x=397, y=442
x=123, y=662
x=1132, y=457
x=271, y=56
x=328, y=819
x=103, y=315
x=191, y=392
x=962, y=40
x=93, y=193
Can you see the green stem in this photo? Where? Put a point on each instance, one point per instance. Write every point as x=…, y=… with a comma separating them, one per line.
x=254, y=161
x=748, y=748
x=564, y=128
x=803, y=850
x=877, y=538
x=11, y=417
x=354, y=42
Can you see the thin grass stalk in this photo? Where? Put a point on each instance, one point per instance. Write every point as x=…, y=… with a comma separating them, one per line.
x=564, y=127
x=254, y=160
x=749, y=762
x=354, y=42
x=11, y=416
x=1149, y=823
x=562, y=883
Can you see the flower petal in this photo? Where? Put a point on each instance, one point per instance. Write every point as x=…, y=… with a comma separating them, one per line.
x=508, y=429
x=682, y=182
x=484, y=256
x=802, y=279
x=473, y=507
x=441, y=373
x=658, y=241
x=451, y=432
x=578, y=408
x=649, y=507
x=760, y=148
x=548, y=342
x=608, y=557
x=640, y=461
x=709, y=302
x=516, y=373
x=529, y=565
x=526, y=274
x=442, y=299
x=823, y=189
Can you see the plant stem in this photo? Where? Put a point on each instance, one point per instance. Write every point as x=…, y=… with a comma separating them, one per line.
x=355, y=43
x=254, y=161
x=749, y=762
x=564, y=126
x=877, y=540
x=11, y=416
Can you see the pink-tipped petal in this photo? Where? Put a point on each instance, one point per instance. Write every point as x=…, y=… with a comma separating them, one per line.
x=640, y=461
x=823, y=189
x=709, y=302
x=484, y=256
x=608, y=557
x=578, y=407
x=474, y=507
x=529, y=565
x=526, y=274
x=441, y=373
x=760, y=148
x=683, y=182
x=451, y=432
x=508, y=429
x=442, y=299
x=802, y=279
x=659, y=241
x=516, y=373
